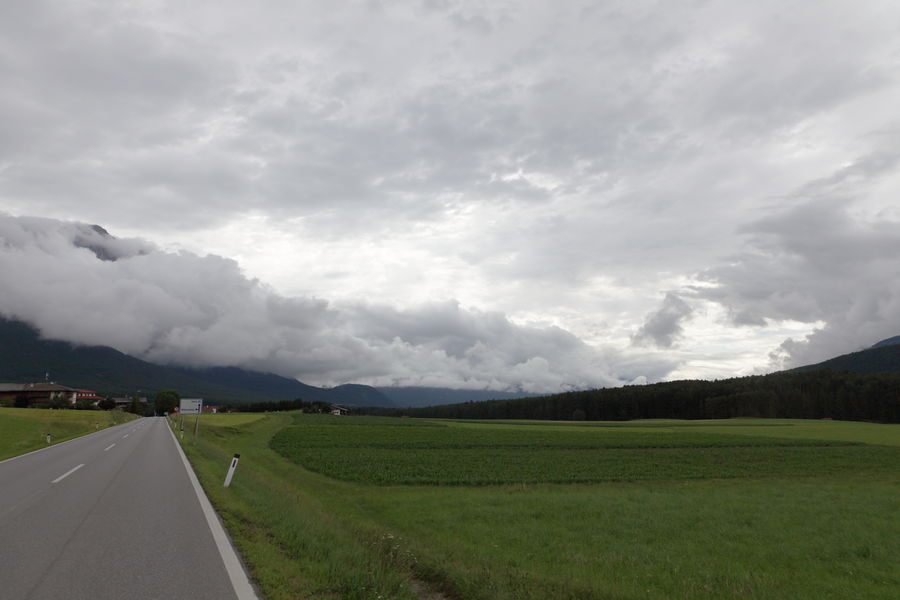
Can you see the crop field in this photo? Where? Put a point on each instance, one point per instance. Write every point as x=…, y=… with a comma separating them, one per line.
x=373, y=452
x=219, y=420
x=25, y=429
x=366, y=507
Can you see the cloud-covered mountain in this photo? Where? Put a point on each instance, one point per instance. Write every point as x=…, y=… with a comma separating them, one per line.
x=24, y=357
x=77, y=283
x=883, y=357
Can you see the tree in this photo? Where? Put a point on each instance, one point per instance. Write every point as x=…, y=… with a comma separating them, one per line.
x=166, y=401
x=58, y=400
x=136, y=407
x=106, y=404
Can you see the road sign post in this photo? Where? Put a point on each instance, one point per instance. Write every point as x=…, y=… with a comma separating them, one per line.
x=191, y=406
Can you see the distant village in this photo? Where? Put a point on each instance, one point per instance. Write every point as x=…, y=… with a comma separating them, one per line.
x=46, y=395
x=53, y=395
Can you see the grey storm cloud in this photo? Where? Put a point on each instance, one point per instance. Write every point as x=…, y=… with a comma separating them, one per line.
x=596, y=97
x=663, y=327
x=77, y=283
x=822, y=259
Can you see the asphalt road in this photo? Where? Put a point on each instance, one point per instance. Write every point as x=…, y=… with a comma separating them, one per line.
x=112, y=515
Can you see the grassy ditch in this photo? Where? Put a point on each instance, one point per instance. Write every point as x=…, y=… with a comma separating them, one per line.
x=25, y=429
x=737, y=509
x=297, y=532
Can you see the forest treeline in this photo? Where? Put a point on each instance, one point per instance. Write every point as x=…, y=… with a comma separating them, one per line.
x=277, y=406
x=789, y=395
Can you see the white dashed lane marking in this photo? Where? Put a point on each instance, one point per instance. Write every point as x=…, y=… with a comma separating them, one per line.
x=66, y=474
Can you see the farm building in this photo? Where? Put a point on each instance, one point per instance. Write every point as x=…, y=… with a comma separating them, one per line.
x=36, y=394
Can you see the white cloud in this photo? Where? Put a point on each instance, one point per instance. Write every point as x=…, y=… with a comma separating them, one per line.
x=186, y=309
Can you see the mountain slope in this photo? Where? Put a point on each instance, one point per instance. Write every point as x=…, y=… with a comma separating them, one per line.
x=428, y=396
x=263, y=384
x=284, y=388
x=883, y=357
x=25, y=357
x=888, y=342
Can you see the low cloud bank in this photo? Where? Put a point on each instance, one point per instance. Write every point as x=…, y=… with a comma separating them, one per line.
x=75, y=282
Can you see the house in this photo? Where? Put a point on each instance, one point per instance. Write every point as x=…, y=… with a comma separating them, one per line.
x=89, y=395
x=31, y=394
x=338, y=410
x=124, y=402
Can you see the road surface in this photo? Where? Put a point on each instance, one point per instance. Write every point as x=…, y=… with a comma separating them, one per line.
x=112, y=515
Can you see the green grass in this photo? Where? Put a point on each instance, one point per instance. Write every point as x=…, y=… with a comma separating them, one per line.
x=374, y=452
x=25, y=429
x=232, y=420
x=733, y=539
x=742, y=509
x=820, y=429
x=491, y=466
x=424, y=435
x=296, y=544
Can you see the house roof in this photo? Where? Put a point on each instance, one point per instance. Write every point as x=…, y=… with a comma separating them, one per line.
x=39, y=387
x=11, y=387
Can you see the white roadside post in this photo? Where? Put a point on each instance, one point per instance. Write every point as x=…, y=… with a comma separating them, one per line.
x=234, y=462
x=49, y=437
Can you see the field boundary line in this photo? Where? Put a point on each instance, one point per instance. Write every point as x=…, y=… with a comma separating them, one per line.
x=233, y=565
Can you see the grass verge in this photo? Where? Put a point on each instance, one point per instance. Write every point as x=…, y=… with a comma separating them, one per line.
x=25, y=429
x=295, y=543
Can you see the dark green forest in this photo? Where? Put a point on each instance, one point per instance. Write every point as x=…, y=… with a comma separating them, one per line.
x=822, y=394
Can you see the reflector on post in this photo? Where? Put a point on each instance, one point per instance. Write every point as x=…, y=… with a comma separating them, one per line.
x=234, y=462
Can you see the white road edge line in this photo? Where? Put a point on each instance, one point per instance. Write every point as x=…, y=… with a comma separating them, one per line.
x=66, y=474
x=108, y=448
x=239, y=580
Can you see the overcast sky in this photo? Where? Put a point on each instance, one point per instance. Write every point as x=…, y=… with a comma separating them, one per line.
x=537, y=195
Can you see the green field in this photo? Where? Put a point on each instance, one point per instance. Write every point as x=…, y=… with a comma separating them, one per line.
x=347, y=507
x=375, y=452
x=25, y=429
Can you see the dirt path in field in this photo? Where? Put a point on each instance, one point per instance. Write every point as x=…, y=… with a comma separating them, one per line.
x=422, y=591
